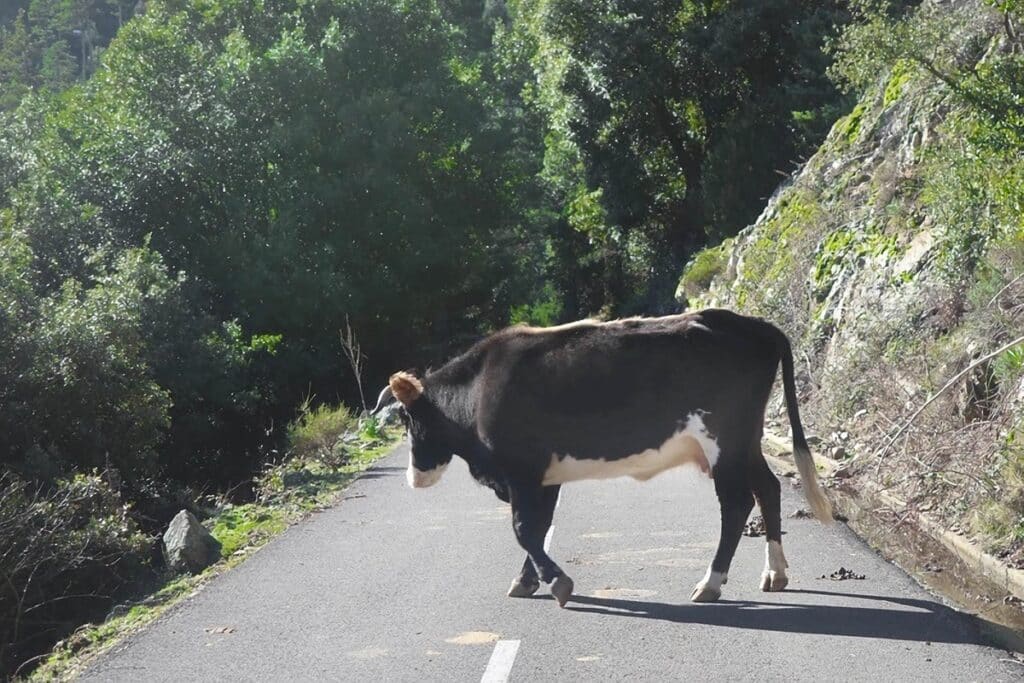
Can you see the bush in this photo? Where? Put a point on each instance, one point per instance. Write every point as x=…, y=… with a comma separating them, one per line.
x=66, y=554
x=315, y=433
x=703, y=269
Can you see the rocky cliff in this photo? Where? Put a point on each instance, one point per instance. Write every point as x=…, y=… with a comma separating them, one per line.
x=893, y=259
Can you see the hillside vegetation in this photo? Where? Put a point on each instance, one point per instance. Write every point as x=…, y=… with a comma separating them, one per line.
x=895, y=258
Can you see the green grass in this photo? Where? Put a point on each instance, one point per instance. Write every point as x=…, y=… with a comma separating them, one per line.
x=769, y=262
x=849, y=127
x=847, y=248
x=243, y=525
x=899, y=76
x=704, y=268
x=288, y=491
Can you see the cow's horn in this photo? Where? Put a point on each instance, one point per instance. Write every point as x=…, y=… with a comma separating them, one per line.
x=386, y=397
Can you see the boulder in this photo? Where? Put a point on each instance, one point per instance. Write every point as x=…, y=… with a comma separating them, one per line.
x=389, y=414
x=188, y=546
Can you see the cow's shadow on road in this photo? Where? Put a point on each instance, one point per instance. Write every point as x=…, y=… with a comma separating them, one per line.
x=880, y=617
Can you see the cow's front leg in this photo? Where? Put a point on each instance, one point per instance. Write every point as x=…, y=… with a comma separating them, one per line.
x=528, y=521
x=527, y=583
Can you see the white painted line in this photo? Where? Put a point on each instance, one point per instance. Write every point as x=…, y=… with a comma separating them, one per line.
x=502, y=658
x=547, y=538
x=558, y=499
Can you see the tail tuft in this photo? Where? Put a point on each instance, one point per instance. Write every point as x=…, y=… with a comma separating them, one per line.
x=820, y=505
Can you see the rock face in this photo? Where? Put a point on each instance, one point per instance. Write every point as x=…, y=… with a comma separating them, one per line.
x=871, y=259
x=188, y=546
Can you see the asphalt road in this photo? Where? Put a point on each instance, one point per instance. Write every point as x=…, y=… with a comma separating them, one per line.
x=402, y=585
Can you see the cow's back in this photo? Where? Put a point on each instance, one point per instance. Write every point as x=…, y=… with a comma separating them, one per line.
x=611, y=390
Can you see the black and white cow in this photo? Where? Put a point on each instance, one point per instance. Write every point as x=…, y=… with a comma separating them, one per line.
x=530, y=409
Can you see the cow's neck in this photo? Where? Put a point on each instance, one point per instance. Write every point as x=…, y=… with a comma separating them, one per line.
x=455, y=396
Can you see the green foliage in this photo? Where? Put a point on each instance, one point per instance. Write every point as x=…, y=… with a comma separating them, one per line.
x=316, y=432
x=675, y=117
x=371, y=429
x=962, y=191
x=899, y=76
x=544, y=312
x=769, y=264
x=974, y=180
x=704, y=268
x=1000, y=521
x=1009, y=365
x=242, y=525
x=847, y=249
x=307, y=480
x=63, y=553
x=46, y=45
x=849, y=127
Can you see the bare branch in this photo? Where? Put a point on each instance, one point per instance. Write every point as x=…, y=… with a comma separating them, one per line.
x=951, y=382
x=354, y=355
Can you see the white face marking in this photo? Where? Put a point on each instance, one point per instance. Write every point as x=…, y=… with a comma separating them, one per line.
x=774, y=560
x=692, y=444
x=420, y=479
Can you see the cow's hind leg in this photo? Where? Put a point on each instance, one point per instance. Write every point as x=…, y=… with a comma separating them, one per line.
x=527, y=583
x=769, y=499
x=736, y=503
x=528, y=521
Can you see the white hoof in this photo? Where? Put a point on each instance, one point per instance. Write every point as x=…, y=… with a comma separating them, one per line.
x=523, y=589
x=705, y=593
x=772, y=582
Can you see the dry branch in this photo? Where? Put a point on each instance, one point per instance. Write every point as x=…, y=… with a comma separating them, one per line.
x=951, y=382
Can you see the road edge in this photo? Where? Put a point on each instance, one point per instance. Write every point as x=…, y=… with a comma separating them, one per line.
x=984, y=567
x=66, y=666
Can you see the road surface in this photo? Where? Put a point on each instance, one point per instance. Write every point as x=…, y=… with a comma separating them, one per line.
x=394, y=584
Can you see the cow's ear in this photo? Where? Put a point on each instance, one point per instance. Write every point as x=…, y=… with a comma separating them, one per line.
x=405, y=387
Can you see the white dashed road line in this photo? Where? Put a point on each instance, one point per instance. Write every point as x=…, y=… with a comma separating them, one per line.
x=502, y=658
x=551, y=529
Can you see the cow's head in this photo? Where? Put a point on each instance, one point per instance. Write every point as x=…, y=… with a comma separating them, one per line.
x=431, y=450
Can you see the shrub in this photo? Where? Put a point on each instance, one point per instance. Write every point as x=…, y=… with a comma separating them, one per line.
x=65, y=554
x=702, y=269
x=316, y=432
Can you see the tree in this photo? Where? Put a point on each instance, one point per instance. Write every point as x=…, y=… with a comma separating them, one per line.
x=649, y=99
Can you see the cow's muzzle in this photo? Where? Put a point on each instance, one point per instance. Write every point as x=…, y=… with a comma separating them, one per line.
x=421, y=479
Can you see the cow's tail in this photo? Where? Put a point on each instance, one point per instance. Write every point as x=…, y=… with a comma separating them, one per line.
x=801, y=452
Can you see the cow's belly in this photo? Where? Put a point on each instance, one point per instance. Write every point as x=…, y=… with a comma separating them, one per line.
x=692, y=444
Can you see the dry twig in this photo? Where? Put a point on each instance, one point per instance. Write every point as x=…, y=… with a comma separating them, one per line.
x=354, y=355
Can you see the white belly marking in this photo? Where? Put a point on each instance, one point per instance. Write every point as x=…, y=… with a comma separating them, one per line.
x=692, y=444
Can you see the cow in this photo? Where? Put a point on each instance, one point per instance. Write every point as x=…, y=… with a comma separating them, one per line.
x=530, y=409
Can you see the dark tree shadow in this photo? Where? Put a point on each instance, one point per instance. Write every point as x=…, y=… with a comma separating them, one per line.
x=911, y=619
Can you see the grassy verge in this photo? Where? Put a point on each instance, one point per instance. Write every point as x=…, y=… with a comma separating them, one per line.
x=312, y=478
